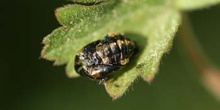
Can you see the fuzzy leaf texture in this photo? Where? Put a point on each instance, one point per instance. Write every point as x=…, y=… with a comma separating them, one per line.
x=152, y=24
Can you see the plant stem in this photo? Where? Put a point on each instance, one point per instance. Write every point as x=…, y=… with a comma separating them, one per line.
x=209, y=73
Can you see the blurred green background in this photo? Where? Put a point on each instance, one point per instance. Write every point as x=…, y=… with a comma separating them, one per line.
x=31, y=83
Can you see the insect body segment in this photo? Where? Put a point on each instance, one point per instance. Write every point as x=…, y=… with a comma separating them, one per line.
x=102, y=57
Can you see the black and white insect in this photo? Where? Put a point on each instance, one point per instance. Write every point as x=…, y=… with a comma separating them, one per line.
x=100, y=58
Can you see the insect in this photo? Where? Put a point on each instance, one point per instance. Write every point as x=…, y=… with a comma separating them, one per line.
x=100, y=58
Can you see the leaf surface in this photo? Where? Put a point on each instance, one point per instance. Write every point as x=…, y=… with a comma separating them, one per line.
x=151, y=24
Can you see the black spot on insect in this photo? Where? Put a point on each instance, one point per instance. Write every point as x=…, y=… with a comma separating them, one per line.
x=100, y=58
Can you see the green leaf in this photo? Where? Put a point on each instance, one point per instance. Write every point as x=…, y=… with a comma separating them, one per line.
x=194, y=4
x=152, y=24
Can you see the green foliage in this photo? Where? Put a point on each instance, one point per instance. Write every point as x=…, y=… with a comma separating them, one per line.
x=194, y=4
x=152, y=24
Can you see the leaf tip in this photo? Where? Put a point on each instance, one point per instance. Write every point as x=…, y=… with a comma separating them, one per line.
x=148, y=77
x=114, y=89
x=44, y=42
x=56, y=13
x=113, y=95
x=71, y=74
x=56, y=63
x=42, y=54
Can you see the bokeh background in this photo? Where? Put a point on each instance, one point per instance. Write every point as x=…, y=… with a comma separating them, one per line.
x=30, y=83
